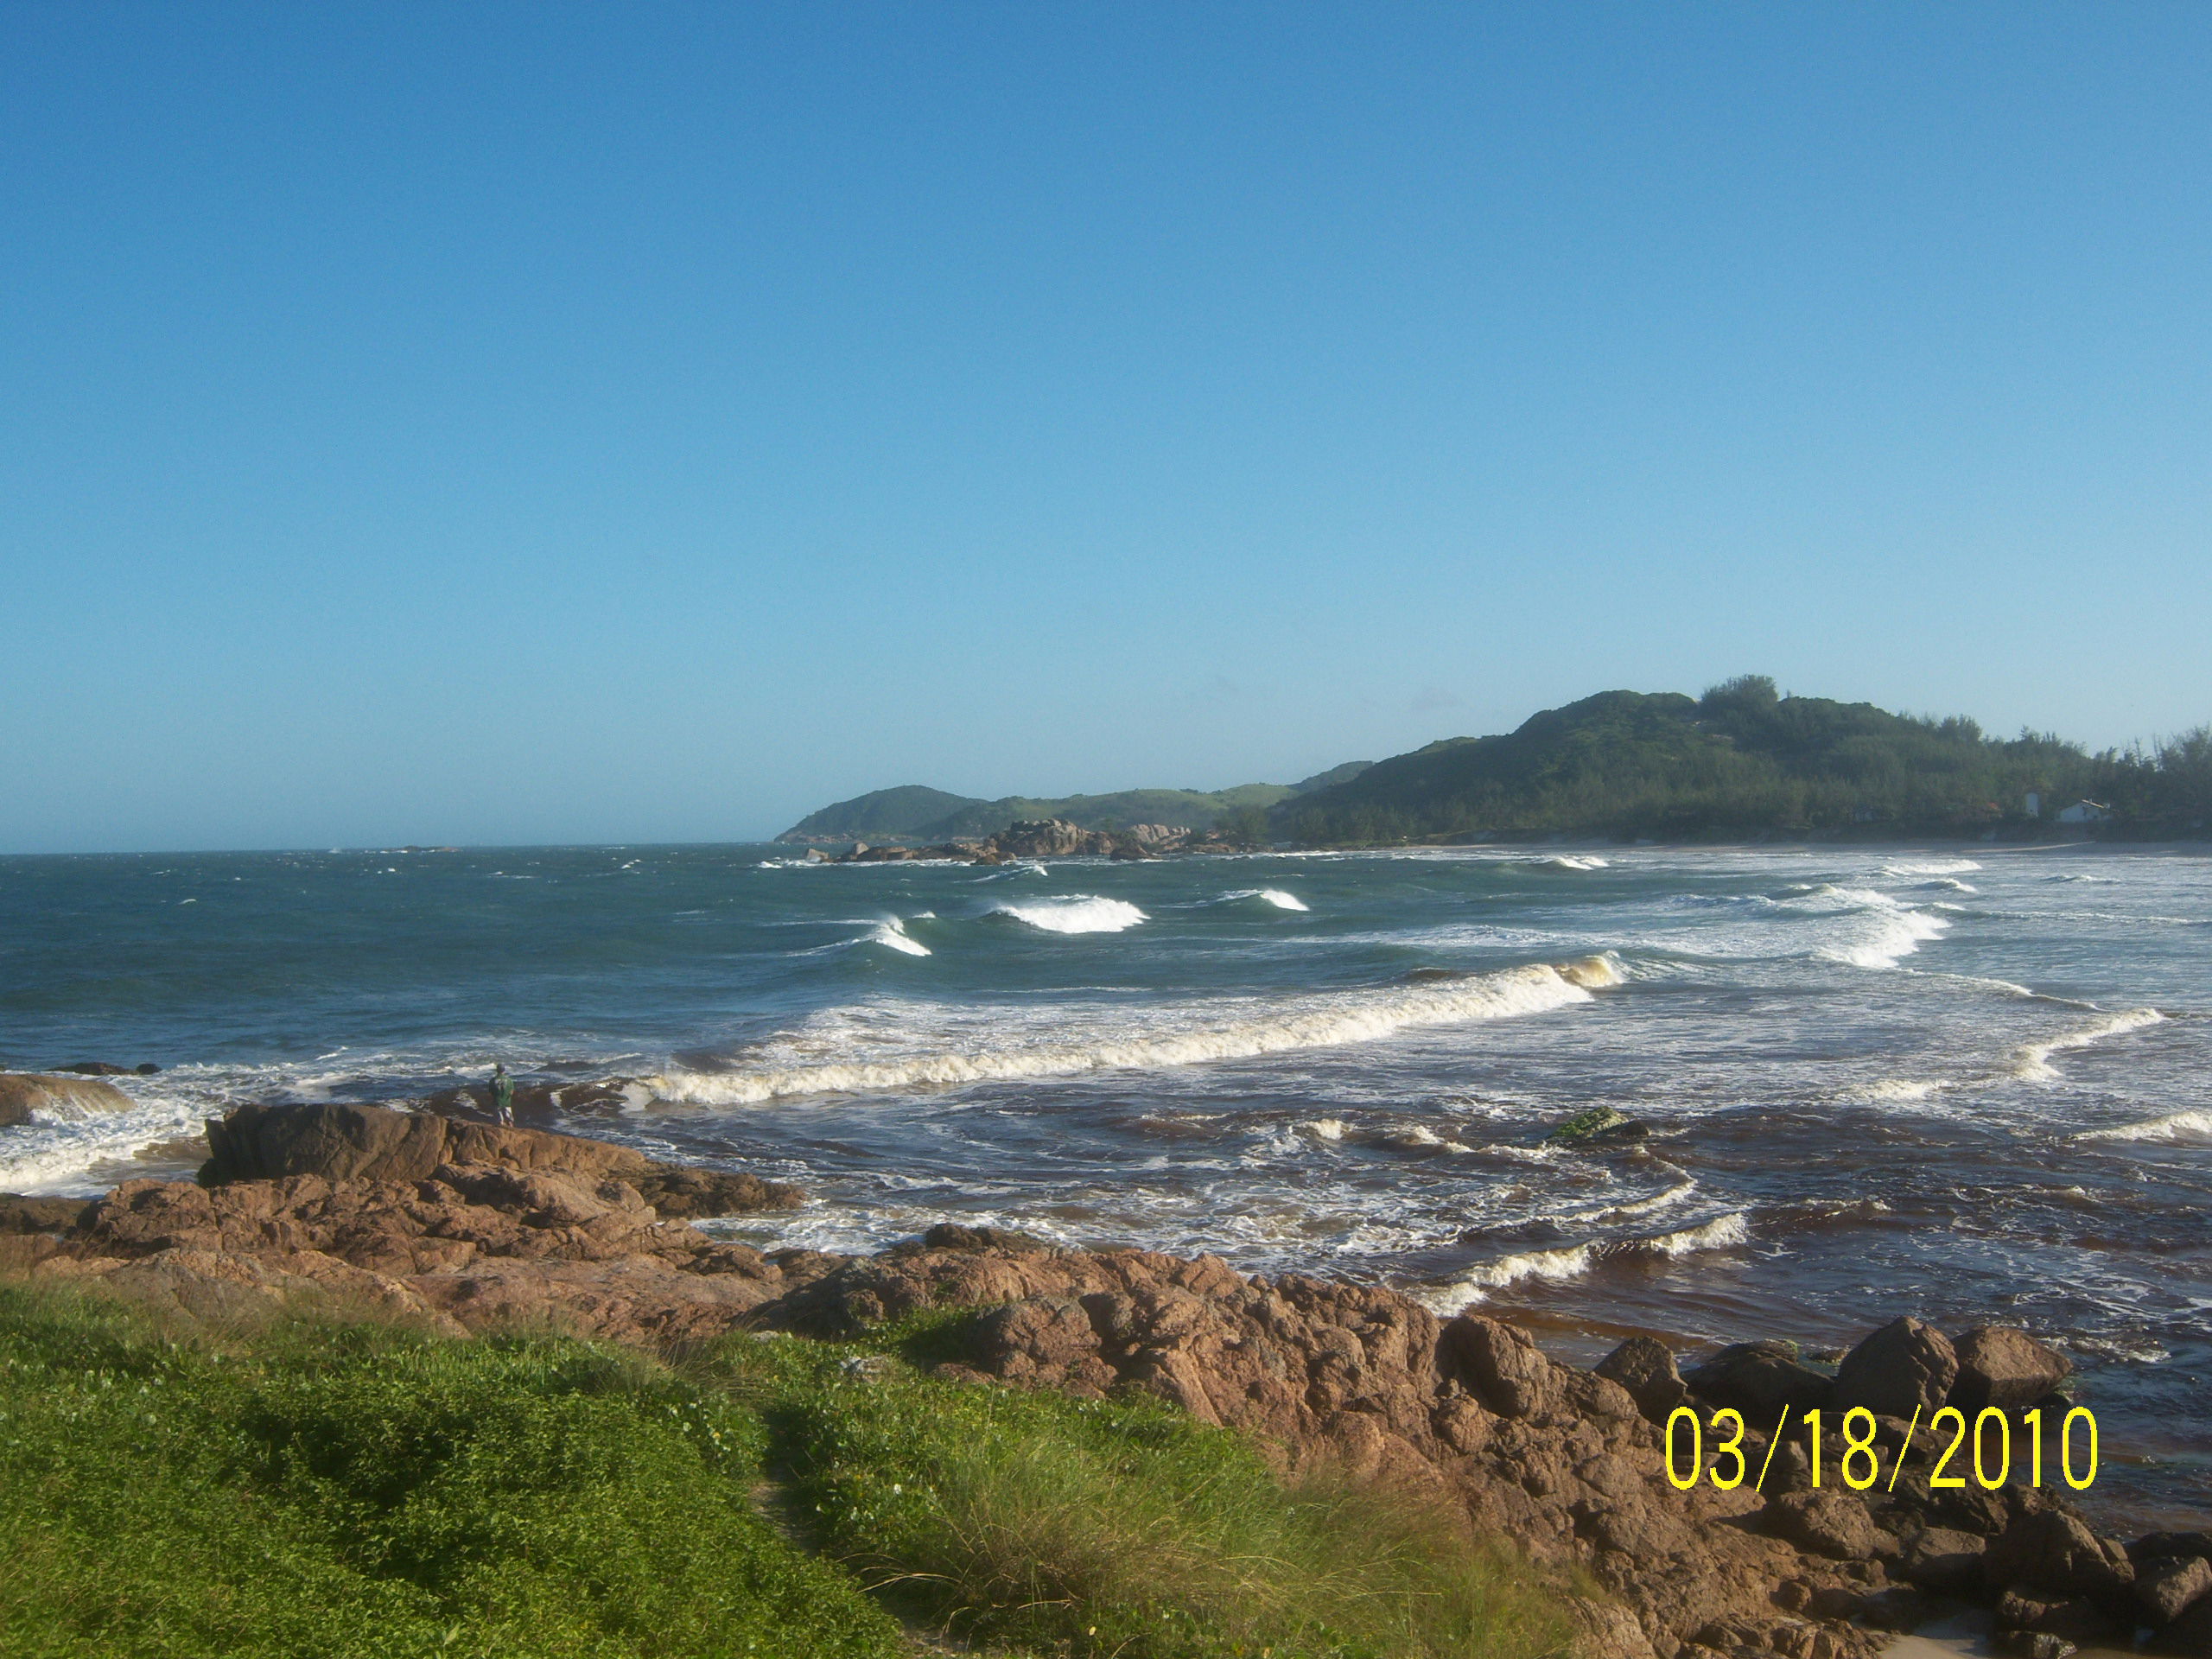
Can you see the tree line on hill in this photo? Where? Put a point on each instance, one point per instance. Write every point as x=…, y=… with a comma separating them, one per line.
x=1743, y=761
x=1740, y=762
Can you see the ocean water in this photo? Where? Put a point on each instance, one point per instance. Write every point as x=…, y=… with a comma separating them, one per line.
x=1967, y=1086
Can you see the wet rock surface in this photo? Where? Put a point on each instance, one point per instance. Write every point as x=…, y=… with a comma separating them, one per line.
x=25, y=1093
x=471, y=1228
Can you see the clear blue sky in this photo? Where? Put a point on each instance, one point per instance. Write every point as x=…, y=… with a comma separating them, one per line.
x=650, y=422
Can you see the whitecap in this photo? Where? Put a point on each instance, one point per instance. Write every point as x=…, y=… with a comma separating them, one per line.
x=893, y=934
x=1078, y=912
x=1573, y=1260
x=1313, y=1022
x=2032, y=1060
x=2174, y=1126
x=1275, y=896
x=1570, y=861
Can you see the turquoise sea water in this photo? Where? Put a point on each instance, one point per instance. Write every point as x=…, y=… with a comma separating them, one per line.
x=1966, y=1084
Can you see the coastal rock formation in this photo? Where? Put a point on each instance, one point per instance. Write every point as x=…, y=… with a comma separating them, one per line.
x=22, y=1093
x=473, y=1228
x=1043, y=838
x=376, y=1144
x=1904, y=1368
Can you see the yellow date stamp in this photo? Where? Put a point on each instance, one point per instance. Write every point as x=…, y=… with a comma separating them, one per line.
x=1984, y=1448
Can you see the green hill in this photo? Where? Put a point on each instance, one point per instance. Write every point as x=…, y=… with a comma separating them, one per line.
x=912, y=812
x=1740, y=760
x=880, y=815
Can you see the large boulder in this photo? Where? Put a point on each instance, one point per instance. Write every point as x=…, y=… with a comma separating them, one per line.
x=2170, y=1586
x=2055, y=1554
x=23, y=1093
x=2001, y=1367
x=374, y=1143
x=1759, y=1379
x=1905, y=1367
x=1645, y=1367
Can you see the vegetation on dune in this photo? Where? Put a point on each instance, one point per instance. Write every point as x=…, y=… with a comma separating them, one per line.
x=1744, y=760
x=320, y=1488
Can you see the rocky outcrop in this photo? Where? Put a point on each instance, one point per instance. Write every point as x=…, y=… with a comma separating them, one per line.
x=471, y=1228
x=23, y=1093
x=377, y=1144
x=107, y=1069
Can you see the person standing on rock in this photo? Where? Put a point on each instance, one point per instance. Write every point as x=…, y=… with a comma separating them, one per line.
x=503, y=1095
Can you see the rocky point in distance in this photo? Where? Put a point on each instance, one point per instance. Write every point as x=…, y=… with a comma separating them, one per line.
x=469, y=1227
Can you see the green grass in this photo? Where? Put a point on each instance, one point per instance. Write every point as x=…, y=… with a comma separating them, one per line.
x=327, y=1488
x=1115, y=1527
x=357, y=1490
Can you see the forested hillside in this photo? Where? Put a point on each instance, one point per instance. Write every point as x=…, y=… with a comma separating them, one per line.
x=1744, y=760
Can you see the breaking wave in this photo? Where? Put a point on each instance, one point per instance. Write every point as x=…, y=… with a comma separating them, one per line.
x=1079, y=912
x=1871, y=929
x=1573, y=1260
x=1349, y=1017
x=1571, y=861
x=893, y=934
x=1275, y=896
x=2032, y=1061
x=2174, y=1126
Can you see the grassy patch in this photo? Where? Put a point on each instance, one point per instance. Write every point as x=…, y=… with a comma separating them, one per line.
x=357, y=1490
x=1095, y=1527
x=353, y=1489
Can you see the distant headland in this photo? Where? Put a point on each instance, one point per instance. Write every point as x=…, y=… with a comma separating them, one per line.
x=1740, y=762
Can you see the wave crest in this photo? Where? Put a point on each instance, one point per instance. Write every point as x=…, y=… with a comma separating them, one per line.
x=1326, y=1022
x=1078, y=912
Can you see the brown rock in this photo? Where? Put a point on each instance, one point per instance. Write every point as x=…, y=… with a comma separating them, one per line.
x=1945, y=1558
x=23, y=1093
x=1759, y=1379
x=21, y=1214
x=2052, y=1552
x=2004, y=1368
x=1905, y=1367
x=1645, y=1367
x=2167, y=1587
x=374, y=1143
x=1830, y=1524
x=1498, y=1364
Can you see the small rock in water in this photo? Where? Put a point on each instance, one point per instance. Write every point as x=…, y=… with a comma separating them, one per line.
x=1599, y=1126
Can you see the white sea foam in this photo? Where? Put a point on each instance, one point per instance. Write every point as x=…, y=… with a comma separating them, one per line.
x=1871, y=929
x=1310, y=1022
x=2174, y=1126
x=1931, y=866
x=1078, y=912
x=54, y=1150
x=1275, y=896
x=1571, y=861
x=2032, y=1061
x=1895, y=1088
